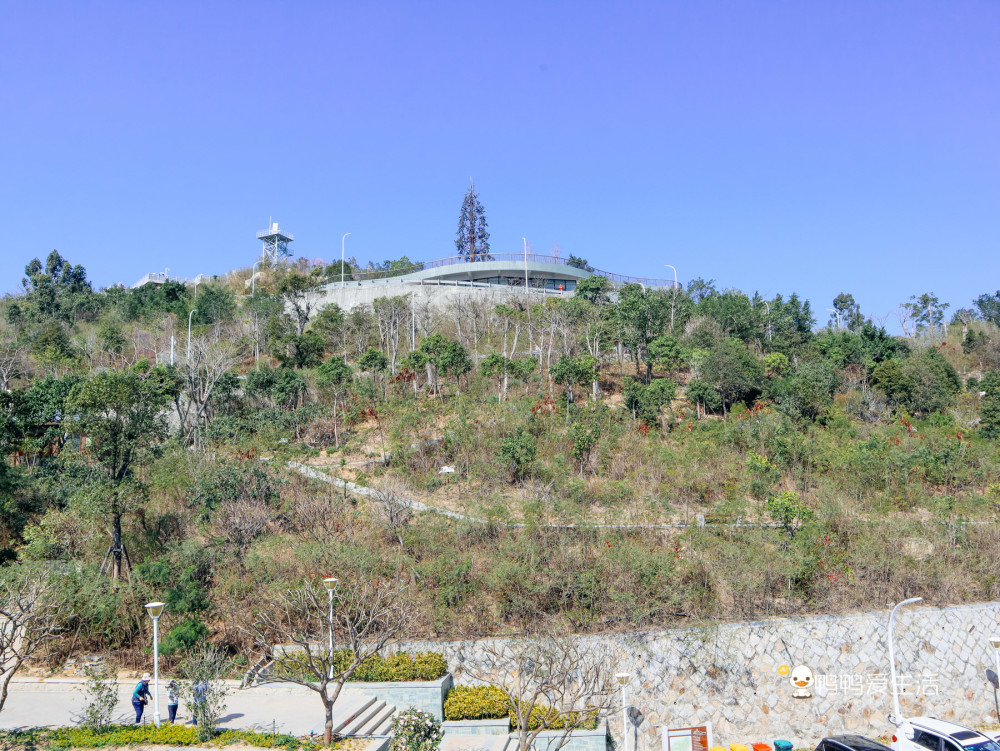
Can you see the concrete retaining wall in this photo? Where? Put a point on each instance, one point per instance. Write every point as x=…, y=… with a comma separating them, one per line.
x=732, y=674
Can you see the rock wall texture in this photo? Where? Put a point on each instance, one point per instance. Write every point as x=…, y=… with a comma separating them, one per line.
x=736, y=675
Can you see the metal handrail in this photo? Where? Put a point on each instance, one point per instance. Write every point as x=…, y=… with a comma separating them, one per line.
x=513, y=258
x=280, y=233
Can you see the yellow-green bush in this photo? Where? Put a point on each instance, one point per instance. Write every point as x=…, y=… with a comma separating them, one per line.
x=173, y=735
x=491, y=703
x=430, y=665
x=476, y=703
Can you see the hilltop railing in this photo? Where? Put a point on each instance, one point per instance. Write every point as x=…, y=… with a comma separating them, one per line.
x=515, y=259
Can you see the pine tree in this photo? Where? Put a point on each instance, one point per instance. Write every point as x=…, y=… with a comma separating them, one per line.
x=473, y=241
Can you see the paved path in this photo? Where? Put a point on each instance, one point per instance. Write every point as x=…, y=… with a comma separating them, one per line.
x=56, y=702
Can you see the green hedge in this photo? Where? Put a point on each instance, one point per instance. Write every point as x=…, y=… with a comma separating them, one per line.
x=491, y=703
x=476, y=703
x=173, y=735
x=398, y=667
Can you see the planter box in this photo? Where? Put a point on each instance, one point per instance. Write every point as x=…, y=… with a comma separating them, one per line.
x=579, y=740
x=427, y=696
x=476, y=727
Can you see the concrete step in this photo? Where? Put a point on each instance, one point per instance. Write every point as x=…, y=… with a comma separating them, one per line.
x=342, y=720
x=382, y=724
x=362, y=719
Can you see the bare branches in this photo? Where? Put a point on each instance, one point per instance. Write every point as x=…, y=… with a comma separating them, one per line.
x=552, y=682
x=394, y=506
x=294, y=629
x=211, y=357
x=29, y=617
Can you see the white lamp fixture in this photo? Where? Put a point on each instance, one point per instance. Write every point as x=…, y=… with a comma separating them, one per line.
x=155, y=610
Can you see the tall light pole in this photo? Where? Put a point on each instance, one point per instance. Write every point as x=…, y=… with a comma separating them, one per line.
x=330, y=583
x=995, y=643
x=623, y=679
x=193, y=311
x=342, y=257
x=673, y=296
x=896, y=718
x=155, y=610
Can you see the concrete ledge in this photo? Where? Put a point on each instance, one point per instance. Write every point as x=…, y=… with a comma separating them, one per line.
x=477, y=727
x=579, y=740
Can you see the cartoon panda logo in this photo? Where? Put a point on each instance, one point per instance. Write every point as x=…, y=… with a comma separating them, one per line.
x=801, y=680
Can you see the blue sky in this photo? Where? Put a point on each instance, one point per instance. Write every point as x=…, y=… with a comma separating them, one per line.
x=817, y=147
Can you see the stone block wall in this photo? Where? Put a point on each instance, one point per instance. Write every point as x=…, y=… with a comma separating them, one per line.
x=732, y=674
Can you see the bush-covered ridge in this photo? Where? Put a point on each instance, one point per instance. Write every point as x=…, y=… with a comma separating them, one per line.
x=834, y=466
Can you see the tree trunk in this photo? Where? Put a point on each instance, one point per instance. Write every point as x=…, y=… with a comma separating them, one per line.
x=328, y=727
x=116, y=545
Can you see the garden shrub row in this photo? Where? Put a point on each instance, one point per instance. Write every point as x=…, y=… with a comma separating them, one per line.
x=492, y=703
x=398, y=667
x=173, y=735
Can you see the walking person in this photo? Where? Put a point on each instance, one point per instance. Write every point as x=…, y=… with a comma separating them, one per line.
x=140, y=697
x=199, y=695
x=173, y=699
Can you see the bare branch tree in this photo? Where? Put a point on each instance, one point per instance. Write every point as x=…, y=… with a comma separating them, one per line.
x=29, y=617
x=552, y=682
x=294, y=632
x=242, y=520
x=212, y=356
x=394, y=506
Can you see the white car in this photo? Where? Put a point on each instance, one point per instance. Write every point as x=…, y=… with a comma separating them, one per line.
x=932, y=734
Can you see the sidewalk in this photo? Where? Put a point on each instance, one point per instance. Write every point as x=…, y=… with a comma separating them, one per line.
x=281, y=708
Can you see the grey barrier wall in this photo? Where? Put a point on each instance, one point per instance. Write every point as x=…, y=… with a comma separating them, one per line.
x=737, y=675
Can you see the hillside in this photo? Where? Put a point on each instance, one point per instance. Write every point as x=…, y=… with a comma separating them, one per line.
x=623, y=459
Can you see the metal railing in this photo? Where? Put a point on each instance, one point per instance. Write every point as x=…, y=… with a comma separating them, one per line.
x=514, y=259
x=280, y=233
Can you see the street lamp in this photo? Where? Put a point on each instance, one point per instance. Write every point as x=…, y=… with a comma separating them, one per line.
x=330, y=583
x=193, y=311
x=995, y=643
x=673, y=295
x=342, y=258
x=897, y=720
x=623, y=679
x=155, y=610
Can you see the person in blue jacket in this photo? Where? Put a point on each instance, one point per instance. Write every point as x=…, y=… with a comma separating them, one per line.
x=140, y=697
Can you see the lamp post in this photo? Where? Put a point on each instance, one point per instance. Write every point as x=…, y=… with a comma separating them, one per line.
x=330, y=583
x=155, y=610
x=623, y=679
x=342, y=257
x=193, y=311
x=673, y=296
x=995, y=643
x=896, y=718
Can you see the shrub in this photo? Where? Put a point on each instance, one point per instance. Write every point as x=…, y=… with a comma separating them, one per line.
x=414, y=730
x=476, y=703
x=396, y=667
x=100, y=697
x=430, y=665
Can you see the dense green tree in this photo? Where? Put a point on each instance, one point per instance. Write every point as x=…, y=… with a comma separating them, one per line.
x=889, y=378
x=55, y=290
x=215, y=304
x=642, y=315
x=989, y=411
x=646, y=401
x=473, y=239
x=517, y=452
x=733, y=371
x=933, y=380
x=123, y=416
x=989, y=307
x=847, y=312
x=595, y=289
x=578, y=263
